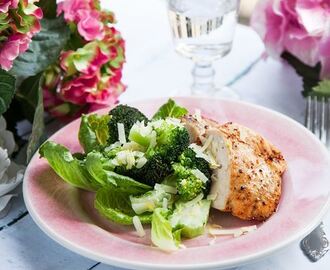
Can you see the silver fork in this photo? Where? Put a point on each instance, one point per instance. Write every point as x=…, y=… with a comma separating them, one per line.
x=316, y=245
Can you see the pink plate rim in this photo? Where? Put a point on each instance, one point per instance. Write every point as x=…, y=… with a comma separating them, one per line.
x=310, y=225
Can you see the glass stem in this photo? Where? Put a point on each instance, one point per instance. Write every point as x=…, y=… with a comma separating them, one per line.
x=203, y=78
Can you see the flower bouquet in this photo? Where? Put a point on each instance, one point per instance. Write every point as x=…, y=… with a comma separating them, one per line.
x=64, y=58
x=298, y=31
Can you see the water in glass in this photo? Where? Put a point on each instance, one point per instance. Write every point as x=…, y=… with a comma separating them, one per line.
x=203, y=29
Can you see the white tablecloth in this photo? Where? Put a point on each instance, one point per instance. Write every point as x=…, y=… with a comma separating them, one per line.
x=153, y=69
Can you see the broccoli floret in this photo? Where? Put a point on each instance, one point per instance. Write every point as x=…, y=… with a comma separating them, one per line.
x=187, y=184
x=161, y=143
x=189, y=172
x=167, y=150
x=126, y=115
x=171, y=142
x=154, y=171
x=188, y=159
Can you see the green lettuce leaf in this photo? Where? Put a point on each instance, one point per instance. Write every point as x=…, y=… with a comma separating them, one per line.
x=69, y=168
x=161, y=231
x=101, y=170
x=114, y=204
x=150, y=200
x=170, y=109
x=191, y=217
x=94, y=132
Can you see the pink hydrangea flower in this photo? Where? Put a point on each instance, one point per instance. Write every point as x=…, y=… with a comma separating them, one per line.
x=92, y=89
x=296, y=26
x=70, y=8
x=106, y=97
x=78, y=89
x=12, y=47
x=5, y=5
x=109, y=89
x=50, y=99
x=19, y=22
x=89, y=26
x=85, y=15
x=88, y=59
x=90, y=75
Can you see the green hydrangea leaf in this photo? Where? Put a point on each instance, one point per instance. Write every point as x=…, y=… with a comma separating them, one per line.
x=33, y=87
x=7, y=90
x=44, y=48
x=48, y=8
x=310, y=75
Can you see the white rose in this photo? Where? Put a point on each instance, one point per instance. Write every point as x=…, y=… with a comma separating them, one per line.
x=11, y=174
x=6, y=137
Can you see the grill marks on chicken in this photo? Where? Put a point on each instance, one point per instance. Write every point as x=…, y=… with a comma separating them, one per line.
x=248, y=181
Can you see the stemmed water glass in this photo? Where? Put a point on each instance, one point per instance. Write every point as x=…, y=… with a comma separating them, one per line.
x=203, y=30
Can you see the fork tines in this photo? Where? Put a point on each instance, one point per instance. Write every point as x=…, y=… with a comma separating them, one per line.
x=318, y=117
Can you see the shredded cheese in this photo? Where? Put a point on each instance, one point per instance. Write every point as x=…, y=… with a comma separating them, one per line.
x=166, y=188
x=130, y=160
x=207, y=143
x=133, y=146
x=235, y=232
x=182, y=246
x=213, y=240
x=198, y=151
x=207, y=156
x=173, y=121
x=153, y=139
x=138, y=226
x=211, y=197
x=121, y=133
x=165, y=203
x=141, y=162
x=112, y=146
x=199, y=175
x=195, y=200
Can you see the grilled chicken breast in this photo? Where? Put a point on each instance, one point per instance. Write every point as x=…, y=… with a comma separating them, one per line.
x=247, y=182
x=197, y=127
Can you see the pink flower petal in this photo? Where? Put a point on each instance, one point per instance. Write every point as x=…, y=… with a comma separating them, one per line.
x=71, y=7
x=307, y=49
x=89, y=27
x=313, y=16
x=12, y=47
x=325, y=56
x=296, y=26
x=4, y=6
x=77, y=89
x=99, y=60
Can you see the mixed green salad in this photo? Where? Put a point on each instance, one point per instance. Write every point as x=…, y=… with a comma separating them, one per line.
x=144, y=171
